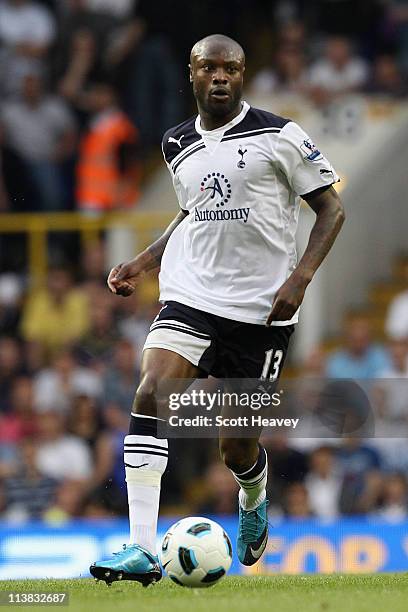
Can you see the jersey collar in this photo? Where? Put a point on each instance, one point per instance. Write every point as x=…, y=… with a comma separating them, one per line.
x=226, y=126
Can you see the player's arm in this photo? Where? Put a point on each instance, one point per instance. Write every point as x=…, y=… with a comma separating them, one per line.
x=124, y=277
x=330, y=217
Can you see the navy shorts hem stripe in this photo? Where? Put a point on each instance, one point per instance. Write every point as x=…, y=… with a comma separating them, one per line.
x=236, y=349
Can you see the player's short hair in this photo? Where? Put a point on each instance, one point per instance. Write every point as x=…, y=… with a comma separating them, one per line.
x=221, y=39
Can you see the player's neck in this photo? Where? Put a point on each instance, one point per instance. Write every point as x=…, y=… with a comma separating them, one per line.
x=210, y=122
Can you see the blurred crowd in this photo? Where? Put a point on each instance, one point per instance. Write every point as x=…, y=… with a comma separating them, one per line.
x=88, y=87
x=69, y=365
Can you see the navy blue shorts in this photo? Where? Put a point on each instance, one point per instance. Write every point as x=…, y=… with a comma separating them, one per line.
x=220, y=347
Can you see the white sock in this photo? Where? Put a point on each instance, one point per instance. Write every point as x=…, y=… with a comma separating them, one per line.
x=252, y=482
x=145, y=461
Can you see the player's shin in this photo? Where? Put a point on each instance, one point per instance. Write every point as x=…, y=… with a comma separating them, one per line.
x=253, y=482
x=145, y=457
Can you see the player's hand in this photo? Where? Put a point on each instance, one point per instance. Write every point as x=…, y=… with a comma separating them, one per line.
x=288, y=299
x=124, y=278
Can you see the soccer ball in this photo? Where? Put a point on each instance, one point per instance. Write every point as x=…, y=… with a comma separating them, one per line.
x=196, y=552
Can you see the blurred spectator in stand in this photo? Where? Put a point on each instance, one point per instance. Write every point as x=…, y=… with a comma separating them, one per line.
x=394, y=498
x=92, y=35
x=85, y=420
x=10, y=303
x=27, y=30
x=220, y=490
x=60, y=454
x=392, y=449
x=56, y=387
x=19, y=421
x=396, y=325
x=288, y=75
x=338, y=73
x=93, y=264
x=386, y=78
x=121, y=380
x=361, y=468
x=310, y=380
x=67, y=503
x=136, y=317
x=34, y=357
x=356, y=458
x=285, y=465
x=292, y=35
x=147, y=73
x=190, y=484
x=100, y=15
x=78, y=67
x=96, y=346
x=360, y=358
x=120, y=384
x=108, y=478
x=390, y=400
x=296, y=502
x=29, y=492
x=108, y=170
x=40, y=135
x=10, y=367
x=97, y=293
x=314, y=365
x=323, y=483
x=16, y=420
x=286, y=72
x=395, y=383
x=56, y=315
x=8, y=460
x=305, y=395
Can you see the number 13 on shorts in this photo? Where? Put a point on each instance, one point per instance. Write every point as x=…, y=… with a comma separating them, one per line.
x=272, y=363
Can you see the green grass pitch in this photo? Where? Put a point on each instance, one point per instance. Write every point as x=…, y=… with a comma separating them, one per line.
x=337, y=593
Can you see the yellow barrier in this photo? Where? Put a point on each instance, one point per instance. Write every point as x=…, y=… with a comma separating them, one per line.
x=37, y=226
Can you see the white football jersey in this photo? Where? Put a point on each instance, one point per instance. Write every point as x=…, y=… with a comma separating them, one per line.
x=240, y=185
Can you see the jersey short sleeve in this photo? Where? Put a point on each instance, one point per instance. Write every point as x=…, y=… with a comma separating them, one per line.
x=178, y=187
x=180, y=192
x=304, y=166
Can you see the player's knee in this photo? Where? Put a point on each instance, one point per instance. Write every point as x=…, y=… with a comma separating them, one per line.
x=145, y=401
x=236, y=454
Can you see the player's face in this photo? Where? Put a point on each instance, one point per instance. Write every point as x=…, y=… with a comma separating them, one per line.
x=217, y=77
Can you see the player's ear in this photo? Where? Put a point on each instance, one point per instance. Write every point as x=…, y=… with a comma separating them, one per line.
x=190, y=73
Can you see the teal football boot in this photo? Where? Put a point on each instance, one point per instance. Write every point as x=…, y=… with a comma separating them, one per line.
x=252, y=533
x=131, y=563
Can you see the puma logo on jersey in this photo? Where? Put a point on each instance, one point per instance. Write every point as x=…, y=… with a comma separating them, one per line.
x=178, y=142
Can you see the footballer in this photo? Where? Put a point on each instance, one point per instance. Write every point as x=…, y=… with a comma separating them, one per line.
x=229, y=280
